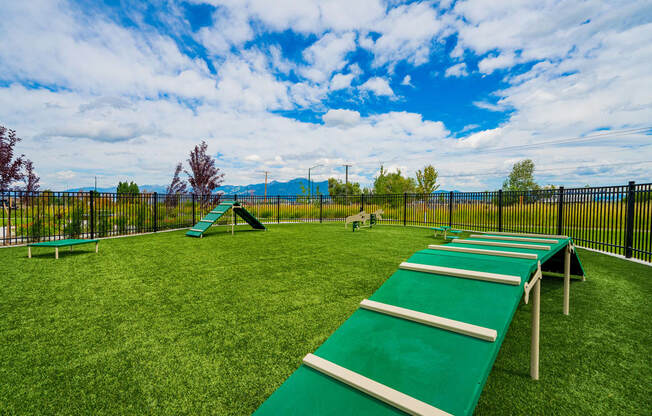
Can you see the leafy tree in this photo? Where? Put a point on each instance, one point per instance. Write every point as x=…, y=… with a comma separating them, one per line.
x=204, y=176
x=127, y=188
x=521, y=178
x=427, y=180
x=177, y=186
x=338, y=188
x=10, y=166
x=393, y=183
x=30, y=177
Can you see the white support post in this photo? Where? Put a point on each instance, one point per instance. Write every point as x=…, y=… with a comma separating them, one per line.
x=97, y=245
x=29, y=252
x=71, y=249
x=232, y=221
x=536, y=315
x=567, y=264
x=56, y=252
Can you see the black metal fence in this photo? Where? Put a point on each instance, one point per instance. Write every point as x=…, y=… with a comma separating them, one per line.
x=614, y=219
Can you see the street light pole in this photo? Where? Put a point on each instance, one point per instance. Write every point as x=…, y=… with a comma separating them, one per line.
x=309, y=181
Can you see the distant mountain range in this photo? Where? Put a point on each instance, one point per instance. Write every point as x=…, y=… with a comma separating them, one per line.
x=292, y=187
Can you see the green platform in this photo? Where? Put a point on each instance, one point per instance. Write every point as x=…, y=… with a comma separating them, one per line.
x=441, y=368
x=62, y=243
x=216, y=213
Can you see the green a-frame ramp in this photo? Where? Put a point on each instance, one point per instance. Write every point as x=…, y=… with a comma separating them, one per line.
x=216, y=213
x=426, y=340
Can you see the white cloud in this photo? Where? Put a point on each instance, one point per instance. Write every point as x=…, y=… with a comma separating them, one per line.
x=341, y=81
x=327, y=55
x=341, y=118
x=493, y=62
x=407, y=80
x=407, y=33
x=379, y=86
x=457, y=70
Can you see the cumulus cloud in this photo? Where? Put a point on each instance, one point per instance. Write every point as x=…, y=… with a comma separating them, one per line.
x=90, y=94
x=457, y=70
x=378, y=86
x=341, y=118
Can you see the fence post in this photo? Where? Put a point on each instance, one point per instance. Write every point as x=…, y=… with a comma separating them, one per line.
x=321, y=204
x=500, y=210
x=629, y=233
x=155, y=212
x=404, y=209
x=560, y=211
x=278, y=209
x=235, y=217
x=450, y=209
x=92, y=215
x=193, y=209
x=361, y=202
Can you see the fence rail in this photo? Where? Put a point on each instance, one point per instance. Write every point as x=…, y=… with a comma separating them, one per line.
x=614, y=219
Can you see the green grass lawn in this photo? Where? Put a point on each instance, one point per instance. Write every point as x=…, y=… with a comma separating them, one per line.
x=167, y=324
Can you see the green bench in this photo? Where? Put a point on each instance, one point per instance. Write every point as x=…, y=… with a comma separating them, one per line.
x=61, y=243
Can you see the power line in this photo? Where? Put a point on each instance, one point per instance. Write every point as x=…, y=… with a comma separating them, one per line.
x=545, y=170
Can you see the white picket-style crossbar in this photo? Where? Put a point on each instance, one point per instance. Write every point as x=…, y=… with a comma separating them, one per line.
x=512, y=238
x=500, y=244
x=459, y=327
x=373, y=388
x=524, y=234
x=207, y=221
x=467, y=274
x=515, y=254
x=199, y=231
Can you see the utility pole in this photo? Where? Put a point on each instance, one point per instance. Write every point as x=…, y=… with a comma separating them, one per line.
x=96, y=184
x=346, y=182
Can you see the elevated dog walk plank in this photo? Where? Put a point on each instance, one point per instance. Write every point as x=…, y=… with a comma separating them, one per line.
x=432, y=365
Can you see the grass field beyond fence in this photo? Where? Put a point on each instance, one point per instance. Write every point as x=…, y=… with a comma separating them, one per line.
x=165, y=324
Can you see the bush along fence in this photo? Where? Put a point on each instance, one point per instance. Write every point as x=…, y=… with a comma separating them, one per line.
x=614, y=219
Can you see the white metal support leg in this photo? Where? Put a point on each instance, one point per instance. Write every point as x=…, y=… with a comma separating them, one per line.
x=232, y=221
x=567, y=263
x=29, y=252
x=536, y=313
x=97, y=245
x=56, y=252
x=533, y=287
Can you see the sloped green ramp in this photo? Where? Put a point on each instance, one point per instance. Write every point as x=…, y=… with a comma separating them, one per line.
x=444, y=369
x=209, y=219
x=248, y=217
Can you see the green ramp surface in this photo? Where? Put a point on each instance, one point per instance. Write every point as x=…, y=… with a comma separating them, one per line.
x=248, y=217
x=209, y=219
x=444, y=369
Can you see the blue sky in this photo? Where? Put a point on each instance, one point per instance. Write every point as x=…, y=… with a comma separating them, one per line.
x=124, y=89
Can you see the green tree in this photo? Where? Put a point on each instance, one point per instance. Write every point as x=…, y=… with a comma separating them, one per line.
x=127, y=188
x=337, y=188
x=521, y=178
x=393, y=183
x=427, y=180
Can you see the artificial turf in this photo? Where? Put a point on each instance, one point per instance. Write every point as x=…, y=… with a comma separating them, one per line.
x=169, y=324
